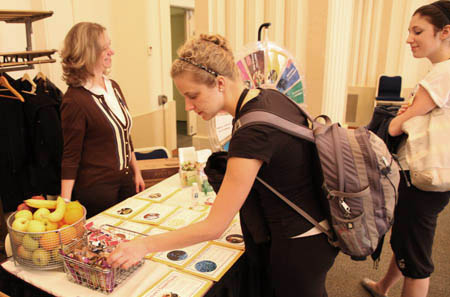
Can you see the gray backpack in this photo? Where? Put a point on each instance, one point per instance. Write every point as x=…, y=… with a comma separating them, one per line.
x=360, y=179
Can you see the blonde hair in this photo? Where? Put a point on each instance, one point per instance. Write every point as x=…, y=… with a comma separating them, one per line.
x=80, y=52
x=206, y=51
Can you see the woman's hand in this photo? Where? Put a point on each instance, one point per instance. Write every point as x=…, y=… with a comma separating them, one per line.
x=128, y=253
x=139, y=182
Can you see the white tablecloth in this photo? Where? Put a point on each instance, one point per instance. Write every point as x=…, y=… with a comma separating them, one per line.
x=55, y=282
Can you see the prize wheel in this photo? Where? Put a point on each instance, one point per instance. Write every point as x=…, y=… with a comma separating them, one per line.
x=261, y=64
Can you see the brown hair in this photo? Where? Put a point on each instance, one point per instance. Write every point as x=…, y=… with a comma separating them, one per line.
x=203, y=56
x=80, y=52
x=437, y=13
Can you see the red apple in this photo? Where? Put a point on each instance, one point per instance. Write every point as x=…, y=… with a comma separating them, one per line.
x=38, y=197
x=23, y=206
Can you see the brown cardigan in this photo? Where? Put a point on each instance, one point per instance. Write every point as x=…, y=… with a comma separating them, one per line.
x=96, y=144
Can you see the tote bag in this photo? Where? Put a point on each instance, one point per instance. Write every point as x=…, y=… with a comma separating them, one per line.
x=428, y=150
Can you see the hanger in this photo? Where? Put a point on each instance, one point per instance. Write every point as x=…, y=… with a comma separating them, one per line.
x=41, y=75
x=4, y=82
x=27, y=78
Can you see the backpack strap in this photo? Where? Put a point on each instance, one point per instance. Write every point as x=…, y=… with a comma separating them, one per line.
x=300, y=211
x=259, y=117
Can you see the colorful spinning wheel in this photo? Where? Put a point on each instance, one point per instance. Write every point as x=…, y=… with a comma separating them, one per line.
x=261, y=64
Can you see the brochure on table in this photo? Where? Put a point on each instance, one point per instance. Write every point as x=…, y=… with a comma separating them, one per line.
x=162, y=190
x=127, y=208
x=155, y=213
x=179, y=257
x=177, y=283
x=136, y=227
x=213, y=261
x=102, y=219
x=183, y=198
x=181, y=218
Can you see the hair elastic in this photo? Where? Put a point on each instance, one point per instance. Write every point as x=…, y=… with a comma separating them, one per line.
x=210, y=71
x=442, y=9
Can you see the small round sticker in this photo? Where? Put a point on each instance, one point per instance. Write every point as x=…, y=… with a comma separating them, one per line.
x=205, y=266
x=177, y=255
x=151, y=216
x=125, y=211
x=154, y=195
x=234, y=238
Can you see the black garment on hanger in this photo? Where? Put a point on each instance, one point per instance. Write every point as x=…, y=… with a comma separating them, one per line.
x=44, y=125
x=14, y=154
x=49, y=88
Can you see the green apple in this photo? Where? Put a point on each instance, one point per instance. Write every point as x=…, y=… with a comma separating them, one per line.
x=20, y=224
x=41, y=214
x=24, y=253
x=30, y=243
x=24, y=214
x=35, y=226
x=40, y=257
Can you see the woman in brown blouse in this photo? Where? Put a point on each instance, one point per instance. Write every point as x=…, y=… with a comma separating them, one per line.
x=99, y=167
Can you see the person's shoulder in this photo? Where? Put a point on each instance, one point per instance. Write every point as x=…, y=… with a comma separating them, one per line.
x=75, y=96
x=275, y=102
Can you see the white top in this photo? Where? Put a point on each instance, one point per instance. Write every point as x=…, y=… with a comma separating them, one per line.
x=110, y=97
x=437, y=84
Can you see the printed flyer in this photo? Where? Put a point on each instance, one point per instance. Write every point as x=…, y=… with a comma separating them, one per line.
x=102, y=219
x=155, y=213
x=289, y=77
x=296, y=93
x=179, y=257
x=181, y=218
x=127, y=208
x=255, y=65
x=178, y=284
x=244, y=75
x=213, y=261
x=158, y=194
x=136, y=227
x=276, y=62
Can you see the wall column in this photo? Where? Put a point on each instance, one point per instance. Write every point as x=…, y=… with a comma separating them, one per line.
x=338, y=46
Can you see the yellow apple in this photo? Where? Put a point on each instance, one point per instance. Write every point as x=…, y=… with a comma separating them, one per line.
x=50, y=226
x=41, y=214
x=40, y=257
x=36, y=226
x=24, y=214
x=20, y=224
x=24, y=253
x=16, y=238
x=56, y=256
x=30, y=243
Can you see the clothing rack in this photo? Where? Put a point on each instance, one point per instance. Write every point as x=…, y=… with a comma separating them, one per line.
x=24, y=60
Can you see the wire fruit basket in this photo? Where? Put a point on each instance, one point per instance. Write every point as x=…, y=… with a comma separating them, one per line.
x=40, y=250
x=93, y=274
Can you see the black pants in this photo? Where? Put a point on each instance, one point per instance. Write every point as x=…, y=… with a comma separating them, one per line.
x=102, y=196
x=300, y=266
x=415, y=220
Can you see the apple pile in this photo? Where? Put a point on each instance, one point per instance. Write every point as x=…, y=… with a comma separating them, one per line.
x=31, y=225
